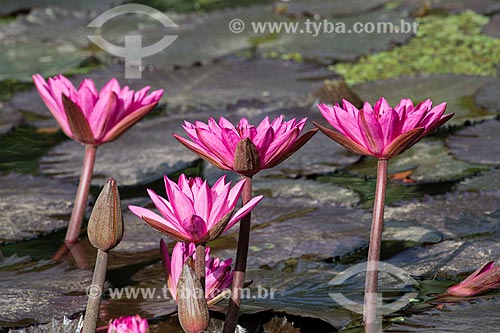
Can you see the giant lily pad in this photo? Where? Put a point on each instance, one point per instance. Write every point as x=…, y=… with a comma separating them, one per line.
x=477, y=144
x=340, y=45
x=35, y=296
x=27, y=213
x=456, y=90
x=430, y=159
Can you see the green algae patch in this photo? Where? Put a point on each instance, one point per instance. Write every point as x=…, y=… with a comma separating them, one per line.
x=451, y=44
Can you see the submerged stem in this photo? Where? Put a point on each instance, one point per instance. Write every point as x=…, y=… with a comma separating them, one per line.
x=240, y=264
x=371, y=322
x=82, y=193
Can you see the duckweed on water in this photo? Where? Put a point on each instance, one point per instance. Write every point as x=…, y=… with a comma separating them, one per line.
x=452, y=44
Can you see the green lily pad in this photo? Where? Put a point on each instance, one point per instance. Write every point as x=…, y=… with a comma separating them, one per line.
x=455, y=216
x=478, y=315
x=314, y=193
x=448, y=259
x=486, y=181
x=477, y=144
x=328, y=47
x=9, y=119
x=487, y=97
x=456, y=90
x=26, y=213
x=222, y=86
x=430, y=159
x=491, y=29
x=35, y=296
x=34, y=44
x=10, y=7
x=450, y=44
x=144, y=154
x=325, y=232
x=54, y=326
x=328, y=8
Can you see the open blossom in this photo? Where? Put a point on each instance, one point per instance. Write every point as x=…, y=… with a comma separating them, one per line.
x=218, y=274
x=132, y=324
x=263, y=146
x=194, y=211
x=485, y=278
x=382, y=131
x=90, y=116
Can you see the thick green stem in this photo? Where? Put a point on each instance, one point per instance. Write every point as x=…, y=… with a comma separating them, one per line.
x=95, y=293
x=82, y=194
x=371, y=322
x=240, y=264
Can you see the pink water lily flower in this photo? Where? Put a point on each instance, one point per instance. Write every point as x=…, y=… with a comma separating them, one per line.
x=382, y=131
x=132, y=324
x=90, y=116
x=194, y=211
x=485, y=278
x=271, y=142
x=218, y=274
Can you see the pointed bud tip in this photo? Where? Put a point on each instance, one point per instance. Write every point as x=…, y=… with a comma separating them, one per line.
x=105, y=227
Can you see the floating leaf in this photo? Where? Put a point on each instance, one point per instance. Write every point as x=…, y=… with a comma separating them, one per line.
x=456, y=90
x=492, y=28
x=219, y=86
x=453, y=215
x=430, y=160
x=32, y=297
x=477, y=144
x=327, y=8
x=470, y=316
x=305, y=191
x=449, y=44
x=34, y=43
x=486, y=181
x=38, y=207
x=327, y=47
x=487, y=97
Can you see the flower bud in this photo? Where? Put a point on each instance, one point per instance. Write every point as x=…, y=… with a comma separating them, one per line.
x=191, y=303
x=246, y=158
x=105, y=228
